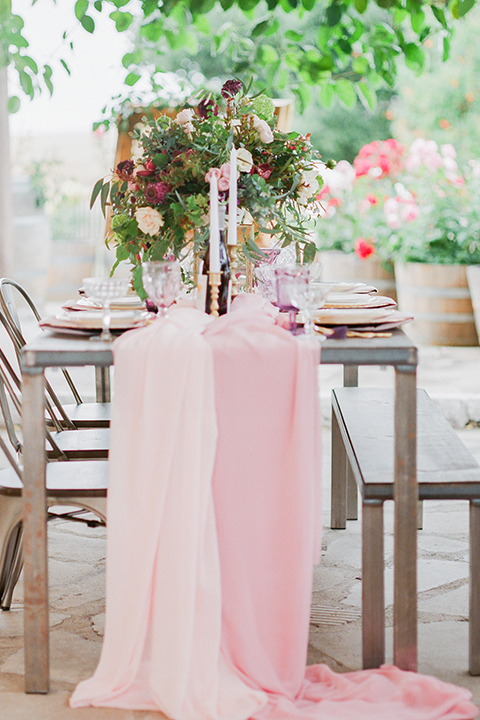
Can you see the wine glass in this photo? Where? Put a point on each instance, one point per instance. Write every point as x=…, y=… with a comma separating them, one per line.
x=287, y=278
x=162, y=281
x=308, y=298
x=104, y=290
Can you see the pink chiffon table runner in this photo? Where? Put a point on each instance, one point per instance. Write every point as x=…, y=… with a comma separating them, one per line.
x=213, y=527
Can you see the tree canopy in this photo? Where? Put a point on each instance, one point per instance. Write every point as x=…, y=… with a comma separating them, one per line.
x=340, y=48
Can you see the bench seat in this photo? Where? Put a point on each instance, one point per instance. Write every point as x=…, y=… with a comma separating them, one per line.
x=363, y=444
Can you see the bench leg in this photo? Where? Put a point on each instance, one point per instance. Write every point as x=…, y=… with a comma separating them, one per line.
x=474, y=603
x=352, y=495
x=373, y=585
x=339, y=479
x=420, y=515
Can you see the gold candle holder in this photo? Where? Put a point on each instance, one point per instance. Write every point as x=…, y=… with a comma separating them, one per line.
x=232, y=254
x=215, y=279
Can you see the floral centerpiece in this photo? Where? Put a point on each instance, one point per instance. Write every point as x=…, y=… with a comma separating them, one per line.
x=409, y=204
x=159, y=201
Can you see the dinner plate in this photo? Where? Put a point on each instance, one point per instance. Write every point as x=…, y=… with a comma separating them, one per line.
x=130, y=302
x=351, y=316
x=91, y=320
x=357, y=300
x=349, y=287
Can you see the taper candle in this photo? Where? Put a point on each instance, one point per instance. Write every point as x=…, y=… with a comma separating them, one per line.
x=214, y=226
x=232, y=199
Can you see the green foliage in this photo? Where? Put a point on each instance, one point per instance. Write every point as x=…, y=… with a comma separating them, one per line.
x=311, y=48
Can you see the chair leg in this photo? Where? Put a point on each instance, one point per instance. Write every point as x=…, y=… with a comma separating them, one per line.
x=338, y=511
x=474, y=602
x=373, y=585
x=12, y=569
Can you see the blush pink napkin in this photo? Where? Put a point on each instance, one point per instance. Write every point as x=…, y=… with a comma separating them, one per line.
x=213, y=527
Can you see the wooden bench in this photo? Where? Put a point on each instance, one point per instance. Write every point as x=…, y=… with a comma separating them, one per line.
x=362, y=445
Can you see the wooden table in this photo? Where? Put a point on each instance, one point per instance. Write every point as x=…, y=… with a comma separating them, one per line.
x=49, y=350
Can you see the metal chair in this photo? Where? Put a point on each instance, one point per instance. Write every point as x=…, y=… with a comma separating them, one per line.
x=63, y=416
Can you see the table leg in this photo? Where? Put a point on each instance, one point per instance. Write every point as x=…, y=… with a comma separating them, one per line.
x=35, y=534
x=405, y=520
x=350, y=379
x=474, y=603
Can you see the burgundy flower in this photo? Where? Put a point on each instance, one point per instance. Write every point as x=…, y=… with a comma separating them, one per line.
x=155, y=192
x=231, y=88
x=124, y=169
x=205, y=108
x=264, y=170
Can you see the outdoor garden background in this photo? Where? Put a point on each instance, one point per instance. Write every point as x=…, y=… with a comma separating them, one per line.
x=415, y=94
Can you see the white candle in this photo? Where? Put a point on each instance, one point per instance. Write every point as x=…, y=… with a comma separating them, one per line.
x=214, y=227
x=232, y=199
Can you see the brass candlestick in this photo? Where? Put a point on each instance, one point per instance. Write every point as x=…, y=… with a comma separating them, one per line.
x=232, y=254
x=215, y=279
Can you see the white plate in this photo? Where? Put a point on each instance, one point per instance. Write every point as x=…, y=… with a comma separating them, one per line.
x=349, y=287
x=357, y=300
x=92, y=320
x=353, y=316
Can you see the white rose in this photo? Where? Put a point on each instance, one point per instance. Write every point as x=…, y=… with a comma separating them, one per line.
x=244, y=160
x=149, y=220
x=263, y=129
x=308, y=186
x=185, y=116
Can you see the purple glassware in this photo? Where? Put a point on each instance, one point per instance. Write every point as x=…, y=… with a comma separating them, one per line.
x=288, y=279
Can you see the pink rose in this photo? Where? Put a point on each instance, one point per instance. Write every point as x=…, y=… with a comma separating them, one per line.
x=223, y=183
x=225, y=170
x=213, y=172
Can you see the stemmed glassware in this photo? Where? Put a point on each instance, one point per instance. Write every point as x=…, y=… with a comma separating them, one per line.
x=104, y=290
x=162, y=281
x=308, y=298
x=288, y=279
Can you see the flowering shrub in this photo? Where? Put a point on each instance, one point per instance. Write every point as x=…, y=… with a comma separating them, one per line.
x=413, y=204
x=160, y=201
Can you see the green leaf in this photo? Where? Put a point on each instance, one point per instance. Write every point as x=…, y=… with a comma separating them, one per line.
x=346, y=92
x=361, y=5
x=104, y=196
x=446, y=48
x=132, y=78
x=417, y=20
x=399, y=14
x=122, y=20
x=120, y=3
x=202, y=24
x=308, y=4
x=454, y=8
x=13, y=104
x=294, y=36
x=360, y=65
x=132, y=58
x=414, y=57
x=304, y=96
x=440, y=16
x=368, y=97
x=30, y=62
x=152, y=30
x=95, y=192
x=464, y=6
x=65, y=66
x=87, y=23
x=98, y=5
x=160, y=160
x=47, y=74
x=260, y=28
x=81, y=7
x=309, y=252
x=137, y=282
x=327, y=93
x=26, y=83
x=333, y=14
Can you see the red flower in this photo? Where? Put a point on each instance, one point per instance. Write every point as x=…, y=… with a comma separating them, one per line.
x=264, y=170
x=371, y=199
x=334, y=202
x=363, y=248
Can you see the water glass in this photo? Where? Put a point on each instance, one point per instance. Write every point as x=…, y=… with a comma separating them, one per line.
x=162, y=281
x=104, y=290
x=290, y=279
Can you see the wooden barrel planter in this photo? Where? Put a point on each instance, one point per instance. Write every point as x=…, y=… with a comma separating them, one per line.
x=348, y=267
x=439, y=298
x=473, y=277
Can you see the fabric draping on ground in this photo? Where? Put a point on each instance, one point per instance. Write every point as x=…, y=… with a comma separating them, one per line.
x=213, y=526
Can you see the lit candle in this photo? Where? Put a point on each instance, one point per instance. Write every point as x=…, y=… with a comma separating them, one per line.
x=214, y=227
x=232, y=199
